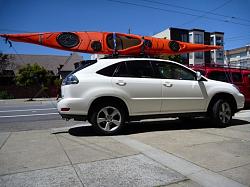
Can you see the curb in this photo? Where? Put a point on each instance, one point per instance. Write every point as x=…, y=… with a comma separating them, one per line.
x=27, y=100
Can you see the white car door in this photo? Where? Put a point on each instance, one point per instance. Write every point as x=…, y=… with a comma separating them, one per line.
x=181, y=92
x=135, y=81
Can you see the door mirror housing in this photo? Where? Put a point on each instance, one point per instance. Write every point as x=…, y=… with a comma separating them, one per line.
x=198, y=76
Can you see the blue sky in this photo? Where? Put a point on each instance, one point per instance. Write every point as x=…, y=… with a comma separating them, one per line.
x=144, y=17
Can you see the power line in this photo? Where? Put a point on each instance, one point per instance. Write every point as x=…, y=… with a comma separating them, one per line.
x=202, y=11
x=177, y=12
x=198, y=17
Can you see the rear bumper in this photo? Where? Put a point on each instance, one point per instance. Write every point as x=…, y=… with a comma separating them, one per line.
x=75, y=117
x=72, y=107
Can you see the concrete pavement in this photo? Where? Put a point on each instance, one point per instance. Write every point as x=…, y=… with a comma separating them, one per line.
x=165, y=153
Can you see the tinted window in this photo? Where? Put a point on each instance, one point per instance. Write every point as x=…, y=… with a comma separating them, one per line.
x=122, y=70
x=108, y=71
x=141, y=69
x=83, y=65
x=137, y=68
x=173, y=71
x=237, y=77
x=219, y=76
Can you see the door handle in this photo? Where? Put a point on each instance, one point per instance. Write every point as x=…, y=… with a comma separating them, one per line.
x=168, y=84
x=121, y=83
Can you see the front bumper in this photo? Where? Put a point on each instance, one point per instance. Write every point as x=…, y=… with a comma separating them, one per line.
x=240, y=100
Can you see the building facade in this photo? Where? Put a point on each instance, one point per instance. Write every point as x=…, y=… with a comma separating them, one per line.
x=239, y=57
x=200, y=37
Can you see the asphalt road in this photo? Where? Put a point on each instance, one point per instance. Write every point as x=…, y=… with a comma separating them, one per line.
x=41, y=115
x=20, y=116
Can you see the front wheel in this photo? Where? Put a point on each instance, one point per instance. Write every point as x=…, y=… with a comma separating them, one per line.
x=222, y=113
x=107, y=119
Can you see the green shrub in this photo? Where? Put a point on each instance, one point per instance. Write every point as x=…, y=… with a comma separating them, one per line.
x=4, y=95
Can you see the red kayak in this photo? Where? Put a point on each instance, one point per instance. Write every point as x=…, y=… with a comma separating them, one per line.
x=108, y=43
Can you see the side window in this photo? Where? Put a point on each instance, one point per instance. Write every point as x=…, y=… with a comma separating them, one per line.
x=135, y=69
x=219, y=76
x=140, y=69
x=122, y=70
x=173, y=71
x=108, y=71
x=236, y=77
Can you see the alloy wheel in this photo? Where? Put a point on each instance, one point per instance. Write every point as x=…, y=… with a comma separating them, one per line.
x=109, y=118
x=225, y=113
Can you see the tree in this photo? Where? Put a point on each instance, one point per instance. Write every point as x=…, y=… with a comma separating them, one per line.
x=5, y=62
x=31, y=75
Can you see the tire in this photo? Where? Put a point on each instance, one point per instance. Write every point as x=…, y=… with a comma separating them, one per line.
x=222, y=113
x=107, y=118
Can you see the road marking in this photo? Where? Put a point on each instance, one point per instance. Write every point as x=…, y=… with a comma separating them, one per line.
x=38, y=109
x=194, y=172
x=29, y=115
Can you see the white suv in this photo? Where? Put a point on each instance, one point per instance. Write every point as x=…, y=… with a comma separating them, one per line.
x=110, y=92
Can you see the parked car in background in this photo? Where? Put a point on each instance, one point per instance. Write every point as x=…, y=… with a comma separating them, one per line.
x=110, y=92
x=236, y=76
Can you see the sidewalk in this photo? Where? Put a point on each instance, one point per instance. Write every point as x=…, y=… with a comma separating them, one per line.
x=77, y=157
x=40, y=158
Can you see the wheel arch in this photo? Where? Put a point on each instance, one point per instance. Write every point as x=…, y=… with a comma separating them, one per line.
x=225, y=96
x=111, y=99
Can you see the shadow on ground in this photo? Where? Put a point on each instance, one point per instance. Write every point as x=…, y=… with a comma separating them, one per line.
x=152, y=126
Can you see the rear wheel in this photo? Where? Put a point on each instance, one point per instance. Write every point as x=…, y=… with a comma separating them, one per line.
x=222, y=113
x=107, y=119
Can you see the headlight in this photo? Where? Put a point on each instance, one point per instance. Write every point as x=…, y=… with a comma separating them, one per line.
x=70, y=79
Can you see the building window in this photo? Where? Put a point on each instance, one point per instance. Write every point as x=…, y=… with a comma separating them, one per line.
x=184, y=37
x=191, y=38
x=219, y=40
x=212, y=40
x=190, y=55
x=198, y=55
x=212, y=56
x=198, y=39
x=219, y=55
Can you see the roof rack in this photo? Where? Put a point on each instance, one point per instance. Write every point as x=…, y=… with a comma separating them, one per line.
x=127, y=56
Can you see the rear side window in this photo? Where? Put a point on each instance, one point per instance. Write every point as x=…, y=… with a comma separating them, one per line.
x=108, y=71
x=83, y=65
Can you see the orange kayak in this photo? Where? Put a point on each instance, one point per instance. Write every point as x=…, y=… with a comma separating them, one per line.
x=108, y=43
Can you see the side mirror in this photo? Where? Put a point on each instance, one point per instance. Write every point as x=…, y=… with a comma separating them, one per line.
x=198, y=75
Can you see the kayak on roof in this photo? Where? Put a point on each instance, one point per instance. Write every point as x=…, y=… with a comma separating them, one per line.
x=109, y=43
